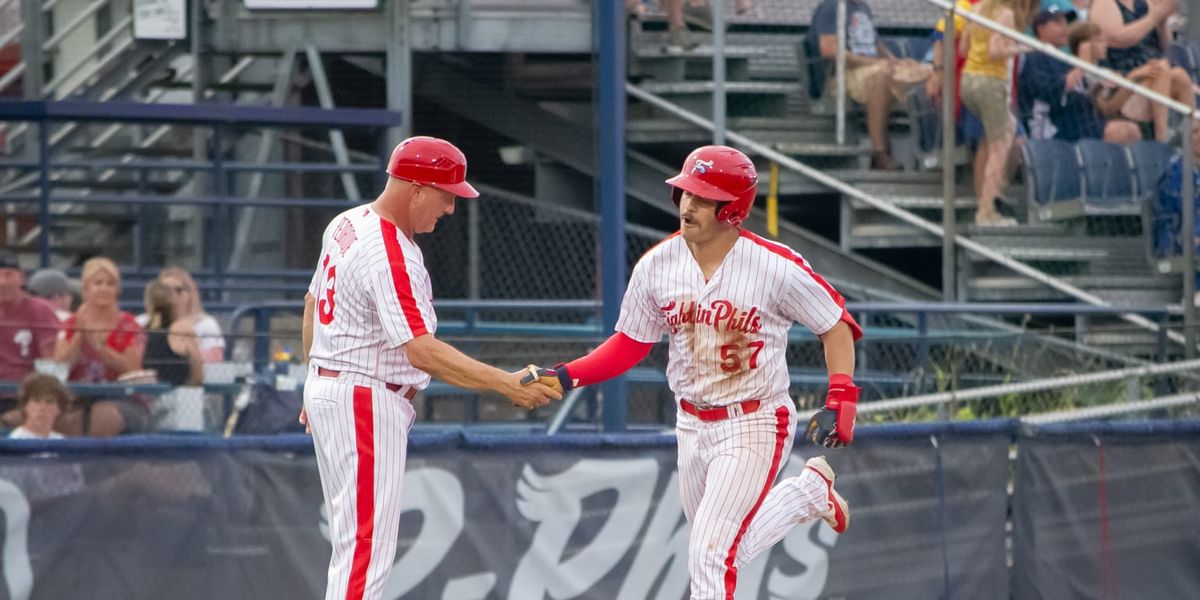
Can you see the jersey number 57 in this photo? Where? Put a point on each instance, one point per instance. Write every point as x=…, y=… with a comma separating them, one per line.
x=731, y=357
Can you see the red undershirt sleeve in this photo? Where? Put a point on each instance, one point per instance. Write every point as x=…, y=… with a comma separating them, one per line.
x=616, y=355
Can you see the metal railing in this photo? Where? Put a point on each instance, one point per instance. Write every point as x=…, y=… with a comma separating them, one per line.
x=1107, y=75
x=222, y=121
x=906, y=216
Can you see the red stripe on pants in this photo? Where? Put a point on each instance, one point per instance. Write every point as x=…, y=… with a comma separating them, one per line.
x=364, y=435
x=781, y=433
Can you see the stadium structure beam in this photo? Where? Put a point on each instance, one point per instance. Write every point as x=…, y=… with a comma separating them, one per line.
x=610, y=137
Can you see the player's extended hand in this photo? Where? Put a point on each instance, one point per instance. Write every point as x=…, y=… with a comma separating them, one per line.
x=529, y=395
x=548, y=377
x=833, y=426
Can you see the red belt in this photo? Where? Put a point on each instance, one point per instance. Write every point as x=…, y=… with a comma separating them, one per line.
x=720, y=413
x=393, y=387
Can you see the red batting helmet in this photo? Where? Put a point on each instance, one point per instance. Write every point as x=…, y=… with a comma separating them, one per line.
x=433, y=162
x=722, y=174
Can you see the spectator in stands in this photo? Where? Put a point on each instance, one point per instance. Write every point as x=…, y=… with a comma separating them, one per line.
x=188, y=308
x=41, y=400
x=101, y=343
x=1086, y=42
x=969, y=126
x=172, y=349
x=28, y=326
x=1167, y=209
x=1136, y=35
x=985, y=92
x=54, y=287
x=679, y=12
x=874, y=77
x=1056, y=96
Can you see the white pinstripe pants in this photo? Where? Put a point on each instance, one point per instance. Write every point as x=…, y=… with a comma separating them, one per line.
x=726, y=469
x=360, y=430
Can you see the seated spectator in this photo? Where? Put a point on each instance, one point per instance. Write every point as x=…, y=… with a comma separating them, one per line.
x=874, y=78
x=1167, y=208
x=101, y=343
x=1112, y=102
x=28, y=326
x=54, y=287
x=188, y=308
x=1136, y=36
x=171, y=346
x=1056, y=96
x=41, y=400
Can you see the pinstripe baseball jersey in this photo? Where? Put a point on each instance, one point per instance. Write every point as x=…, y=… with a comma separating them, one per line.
x=728, y=335
x=372, y=295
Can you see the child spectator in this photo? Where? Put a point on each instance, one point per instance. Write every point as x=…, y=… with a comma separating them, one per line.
x=42, y=399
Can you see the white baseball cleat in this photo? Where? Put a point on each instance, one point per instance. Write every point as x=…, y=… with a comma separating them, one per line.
x=838, y=514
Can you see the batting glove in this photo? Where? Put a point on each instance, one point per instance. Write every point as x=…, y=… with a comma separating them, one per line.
x=555, y=378
x=833, y=426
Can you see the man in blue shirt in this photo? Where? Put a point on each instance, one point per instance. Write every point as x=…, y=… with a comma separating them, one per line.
x=1050, y=92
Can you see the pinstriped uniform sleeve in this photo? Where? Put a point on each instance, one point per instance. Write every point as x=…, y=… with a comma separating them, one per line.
x=404, y=302
x=640, y=317
x=808, y=299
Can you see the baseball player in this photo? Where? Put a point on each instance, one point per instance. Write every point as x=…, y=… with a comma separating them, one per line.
x=369, y=334
x=727, y=298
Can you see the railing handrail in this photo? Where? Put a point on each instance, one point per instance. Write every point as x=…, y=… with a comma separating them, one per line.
x=853, y=307
x=899, y=213
x=1106, y=74
x=209, y=114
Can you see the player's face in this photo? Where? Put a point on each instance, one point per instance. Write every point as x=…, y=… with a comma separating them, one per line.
x=430, y=204
x=698, y=218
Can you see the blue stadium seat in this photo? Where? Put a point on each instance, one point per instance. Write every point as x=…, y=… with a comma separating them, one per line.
x=918, y=47
x=1108, y=182
x=1184, y=57
x=1149, y=159
x=1053, y=179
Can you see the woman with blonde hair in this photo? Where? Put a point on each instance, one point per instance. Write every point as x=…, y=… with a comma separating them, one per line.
x=985, y=90
x=171, y=346
x=189, y=309
x=101, y=342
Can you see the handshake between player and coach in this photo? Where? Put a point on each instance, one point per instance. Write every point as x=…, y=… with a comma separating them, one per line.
x=831, y=427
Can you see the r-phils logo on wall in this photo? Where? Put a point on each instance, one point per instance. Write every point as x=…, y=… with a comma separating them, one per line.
x=643, y=521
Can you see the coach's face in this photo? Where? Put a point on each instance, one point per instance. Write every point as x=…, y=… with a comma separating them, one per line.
x=698, y=218
x=428, y=205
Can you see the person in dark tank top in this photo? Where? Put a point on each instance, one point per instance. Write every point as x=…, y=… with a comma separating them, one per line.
x=172, y=349
x=1137, y=37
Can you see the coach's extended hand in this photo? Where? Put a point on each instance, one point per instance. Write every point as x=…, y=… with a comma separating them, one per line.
x=833, y=426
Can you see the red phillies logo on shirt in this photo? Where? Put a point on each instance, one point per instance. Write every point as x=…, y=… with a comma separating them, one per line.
x=719, y=314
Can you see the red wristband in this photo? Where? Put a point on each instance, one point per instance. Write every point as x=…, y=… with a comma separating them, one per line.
x=840, y=379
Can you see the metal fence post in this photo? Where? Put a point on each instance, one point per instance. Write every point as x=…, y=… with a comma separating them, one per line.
x=1188, y=235
x=44, y=193
x=718, y=71
x=610, y=57
x=840, y=72
x=220, y=220
x=949, y=195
